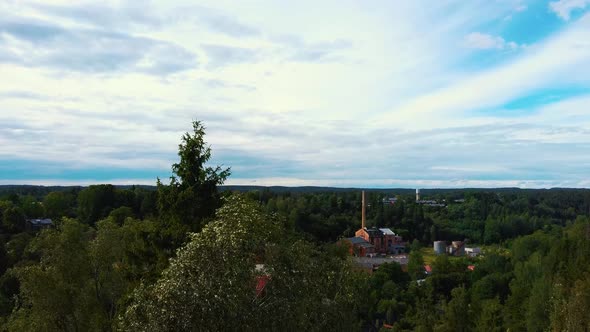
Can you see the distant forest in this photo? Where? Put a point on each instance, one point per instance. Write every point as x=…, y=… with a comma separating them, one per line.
x=484, y=216
x=194, y=255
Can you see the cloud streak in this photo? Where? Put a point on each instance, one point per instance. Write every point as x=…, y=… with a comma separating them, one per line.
x=41, y=44
x=564, y=8
x=484, y=41
x=220, y=55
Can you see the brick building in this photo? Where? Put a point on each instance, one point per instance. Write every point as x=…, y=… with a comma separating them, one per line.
x=359, y=247
x=383, y=240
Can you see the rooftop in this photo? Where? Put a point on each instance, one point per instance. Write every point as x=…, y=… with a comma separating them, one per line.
x=359, y=241
x=373, y=232
x=386, y=231
x=355, y=240
x=40, y=222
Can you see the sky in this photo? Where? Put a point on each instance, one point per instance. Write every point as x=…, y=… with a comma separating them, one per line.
x=383, y=94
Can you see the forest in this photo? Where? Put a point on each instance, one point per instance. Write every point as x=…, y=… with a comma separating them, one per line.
x=189, y=254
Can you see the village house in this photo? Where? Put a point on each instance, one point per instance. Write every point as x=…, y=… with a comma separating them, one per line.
x=38, y=224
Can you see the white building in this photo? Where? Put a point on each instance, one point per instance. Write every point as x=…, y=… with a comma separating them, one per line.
x=472, y=252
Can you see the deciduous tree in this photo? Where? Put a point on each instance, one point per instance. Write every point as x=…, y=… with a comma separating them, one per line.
x=211, y=284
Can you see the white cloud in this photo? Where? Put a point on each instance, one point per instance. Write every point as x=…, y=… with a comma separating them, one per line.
x=348, y=183
x=470, y=168
x=86, y=182
x=484, y=41
x=564, y=8
x=412, y=183
x=561, y=59
x=358, y=95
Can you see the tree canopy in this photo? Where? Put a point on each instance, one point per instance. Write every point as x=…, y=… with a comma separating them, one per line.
x=211, y=284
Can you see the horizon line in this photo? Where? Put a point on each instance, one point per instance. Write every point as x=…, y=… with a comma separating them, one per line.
x=319, y=186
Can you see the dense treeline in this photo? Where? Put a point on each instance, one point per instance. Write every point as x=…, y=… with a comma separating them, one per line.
x=484, y=217
x=541, y=283
x=186, y=256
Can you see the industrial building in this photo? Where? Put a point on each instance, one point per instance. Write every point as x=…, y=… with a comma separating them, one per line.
x=473, y=251
x=359, y=247
x=428, y=202
x=368, y=241
x=383, y=239
x=457, y=248
x=389, y=200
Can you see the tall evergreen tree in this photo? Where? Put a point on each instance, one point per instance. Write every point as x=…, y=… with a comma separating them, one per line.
x=192, y=197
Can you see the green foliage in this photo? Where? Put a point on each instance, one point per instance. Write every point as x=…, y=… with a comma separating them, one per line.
x=120, y=214
x=95, y=203
x=537, y=310
x=15, y=248
x=56, y=293
x=107, y=253
x=416, y=245
x=416, y=265
x=457, y=314
x=491, y=286
x=144, y=259
x=191, y=198
x=32, y=208
x=490, y=318
x=570, y=307
x=58, y=204
x=83, y=276
x=13, y=220
x=210, y=285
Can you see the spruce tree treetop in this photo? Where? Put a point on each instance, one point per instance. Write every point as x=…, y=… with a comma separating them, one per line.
x=194, y=153
x=192, y=197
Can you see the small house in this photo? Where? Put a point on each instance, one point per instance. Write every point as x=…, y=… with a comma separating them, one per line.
x=38, y=224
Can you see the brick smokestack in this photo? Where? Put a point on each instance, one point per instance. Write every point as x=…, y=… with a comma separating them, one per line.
x=364, y=213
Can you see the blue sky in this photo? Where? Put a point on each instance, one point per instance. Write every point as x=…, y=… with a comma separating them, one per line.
x=449, y=93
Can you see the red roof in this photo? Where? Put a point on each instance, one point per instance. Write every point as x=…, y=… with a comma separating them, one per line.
x=471, y=267
x=261, y=283
x=428, y=268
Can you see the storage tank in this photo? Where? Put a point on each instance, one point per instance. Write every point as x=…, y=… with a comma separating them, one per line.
x=440, y=247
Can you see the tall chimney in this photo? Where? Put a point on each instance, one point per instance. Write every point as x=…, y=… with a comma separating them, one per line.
x=364, y=213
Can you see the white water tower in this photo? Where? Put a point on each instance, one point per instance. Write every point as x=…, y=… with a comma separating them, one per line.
x=417, y=195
